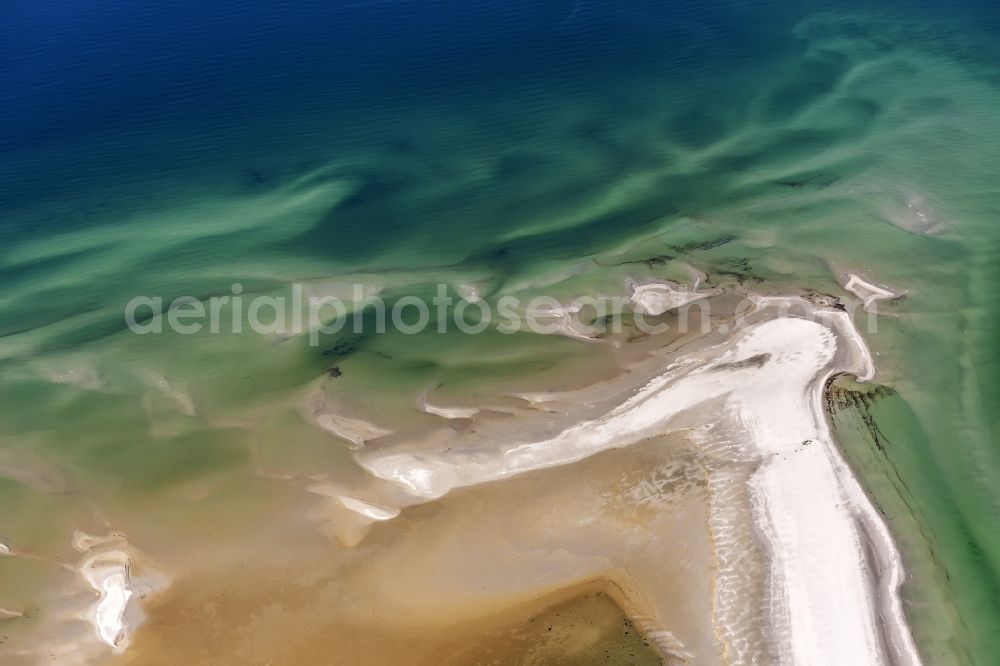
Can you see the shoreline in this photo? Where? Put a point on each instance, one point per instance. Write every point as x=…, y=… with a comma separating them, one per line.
x=760, y=390
x=834, y=570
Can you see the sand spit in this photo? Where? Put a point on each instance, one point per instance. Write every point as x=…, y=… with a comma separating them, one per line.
x=370, y=511
x=345, y=517
x=834, y=570
x=867, y=292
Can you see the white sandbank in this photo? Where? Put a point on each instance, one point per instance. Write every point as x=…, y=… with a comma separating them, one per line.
x=566, y=321
x=369, y=511
x=450, y=412
x=655, y=298
x=866, y=291
x=108, y=574
x=835, y=571
x=80, y=623
x=355, y=431
x=108, y=568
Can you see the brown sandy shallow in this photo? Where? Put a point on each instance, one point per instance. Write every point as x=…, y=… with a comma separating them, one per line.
x=471, y=578
x=633, y=555
x=580, y=625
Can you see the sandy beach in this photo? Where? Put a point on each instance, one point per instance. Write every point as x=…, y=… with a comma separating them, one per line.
x=704, y=469
x=833, y=569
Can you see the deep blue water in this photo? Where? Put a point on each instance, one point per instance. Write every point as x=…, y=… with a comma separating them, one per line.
x=81, y=68
x=103, y=76
x=114, y=110
x=219, y=75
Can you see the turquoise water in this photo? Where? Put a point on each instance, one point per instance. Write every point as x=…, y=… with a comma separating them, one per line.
x=553, y=147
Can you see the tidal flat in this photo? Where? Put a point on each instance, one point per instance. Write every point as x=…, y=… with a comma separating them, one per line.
x=817, y=484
